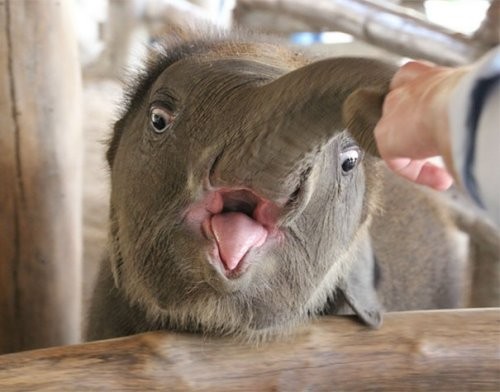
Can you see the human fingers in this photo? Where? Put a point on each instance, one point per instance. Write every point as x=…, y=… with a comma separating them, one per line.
x=421, y=172
x=434, y=177
x=409, y=72
x=400, y=132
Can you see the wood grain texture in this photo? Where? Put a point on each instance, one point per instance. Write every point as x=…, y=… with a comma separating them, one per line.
x=40, y=175
x=455, y=350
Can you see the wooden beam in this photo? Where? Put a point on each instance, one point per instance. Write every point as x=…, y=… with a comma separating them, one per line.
x=385, y=25
x=429, y=350
x=40, y=175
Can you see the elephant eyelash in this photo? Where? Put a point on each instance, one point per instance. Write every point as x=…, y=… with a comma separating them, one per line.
x=347, y=143
x=166, y=104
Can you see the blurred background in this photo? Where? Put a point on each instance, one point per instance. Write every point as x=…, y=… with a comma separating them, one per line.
x=113, y=33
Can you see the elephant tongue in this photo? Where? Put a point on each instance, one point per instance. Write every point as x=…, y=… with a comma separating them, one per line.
x=235, y=234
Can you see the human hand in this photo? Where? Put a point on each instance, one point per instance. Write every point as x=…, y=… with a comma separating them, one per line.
x=414, y=123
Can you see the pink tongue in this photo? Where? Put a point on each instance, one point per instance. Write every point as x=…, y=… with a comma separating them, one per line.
x=236, y=234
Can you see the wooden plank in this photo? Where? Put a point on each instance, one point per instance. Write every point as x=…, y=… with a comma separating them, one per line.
x=40, y=175
x=452, y=350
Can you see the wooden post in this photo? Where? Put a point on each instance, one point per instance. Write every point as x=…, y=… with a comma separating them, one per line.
x=40, y=175
x=123, y=18
x=454, y=350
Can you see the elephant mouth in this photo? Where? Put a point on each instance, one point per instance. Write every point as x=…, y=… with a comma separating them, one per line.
x=241, y=224
x=238, y=223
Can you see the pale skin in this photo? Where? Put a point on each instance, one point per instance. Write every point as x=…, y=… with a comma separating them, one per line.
x=414, y=125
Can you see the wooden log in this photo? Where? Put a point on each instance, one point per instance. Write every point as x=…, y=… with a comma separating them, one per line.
x=40, y=175
x=454, y=350
x=387, y=26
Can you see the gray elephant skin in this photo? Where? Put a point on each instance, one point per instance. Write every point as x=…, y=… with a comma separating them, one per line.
x=243, y=205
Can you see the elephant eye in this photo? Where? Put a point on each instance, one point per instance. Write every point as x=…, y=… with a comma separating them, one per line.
x=349, y=159
x=160, y=119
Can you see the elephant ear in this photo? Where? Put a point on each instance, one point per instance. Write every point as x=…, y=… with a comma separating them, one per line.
x=359, y=289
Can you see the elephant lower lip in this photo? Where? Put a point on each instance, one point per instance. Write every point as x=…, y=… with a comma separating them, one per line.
x=231, y=253
x=236, y=234
x=215, y=260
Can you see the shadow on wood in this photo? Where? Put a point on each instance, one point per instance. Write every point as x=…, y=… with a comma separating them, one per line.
x=427, y=350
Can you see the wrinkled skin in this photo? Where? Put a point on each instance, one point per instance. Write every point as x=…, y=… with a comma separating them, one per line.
x=255, y=141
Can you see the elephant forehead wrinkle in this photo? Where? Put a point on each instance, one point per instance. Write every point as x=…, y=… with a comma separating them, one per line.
x=194, y=68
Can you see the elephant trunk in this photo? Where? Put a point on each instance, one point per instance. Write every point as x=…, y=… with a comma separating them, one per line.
x=292, y=118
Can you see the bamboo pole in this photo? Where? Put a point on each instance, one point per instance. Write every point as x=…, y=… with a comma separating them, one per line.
x=387, y=26
x=40, y=174
x=452, y=350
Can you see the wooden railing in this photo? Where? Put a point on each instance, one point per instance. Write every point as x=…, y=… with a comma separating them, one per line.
x=454, y=350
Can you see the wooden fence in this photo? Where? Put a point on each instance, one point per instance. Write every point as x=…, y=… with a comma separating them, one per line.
x=455, y=350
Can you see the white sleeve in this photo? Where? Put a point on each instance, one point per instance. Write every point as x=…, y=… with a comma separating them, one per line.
x=474, y=118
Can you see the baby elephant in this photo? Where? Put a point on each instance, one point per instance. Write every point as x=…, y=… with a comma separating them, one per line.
x=241, y=205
